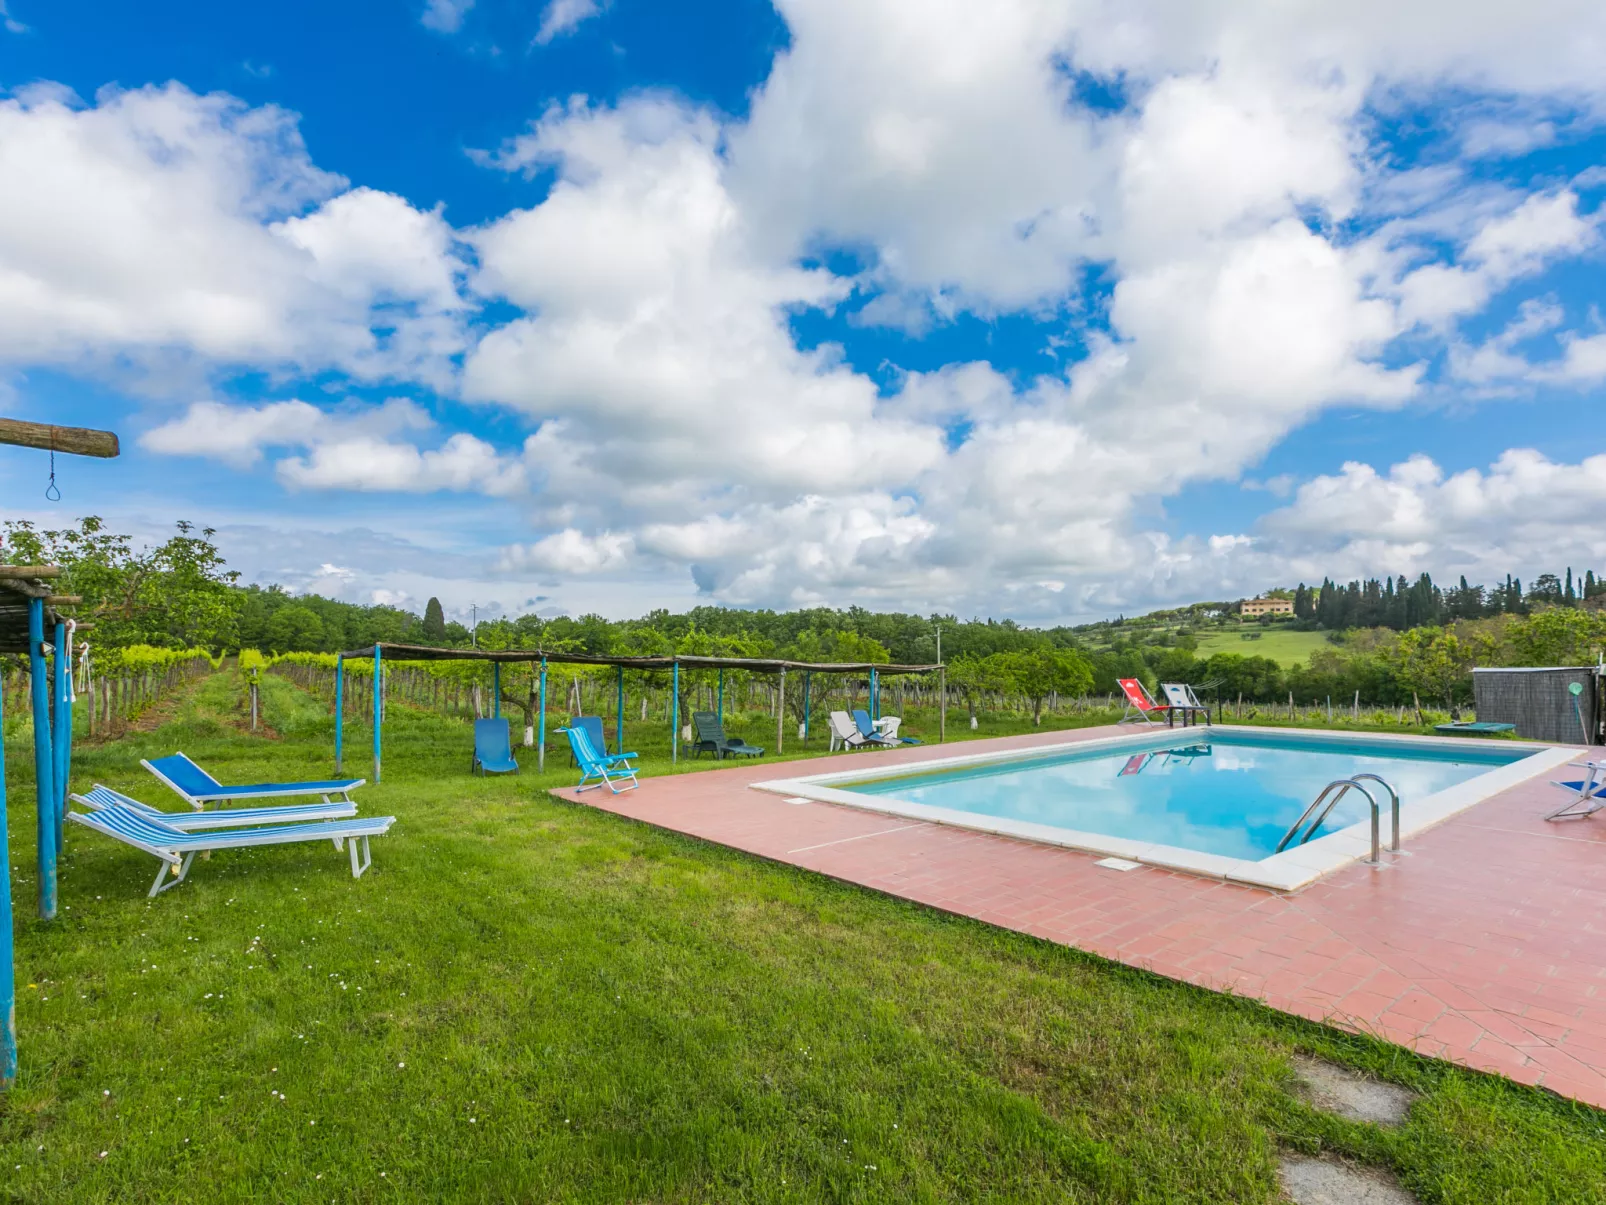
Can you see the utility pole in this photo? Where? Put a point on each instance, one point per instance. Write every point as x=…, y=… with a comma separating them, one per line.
x=474, y=625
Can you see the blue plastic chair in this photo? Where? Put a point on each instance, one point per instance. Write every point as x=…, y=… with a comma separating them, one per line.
x=493, y=748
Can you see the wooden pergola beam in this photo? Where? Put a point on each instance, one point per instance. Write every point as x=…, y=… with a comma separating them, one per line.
x=40, y=571
x=79, y=441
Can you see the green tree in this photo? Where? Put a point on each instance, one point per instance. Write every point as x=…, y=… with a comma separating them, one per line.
x=1435, y=662
x=975, y=677
x=175, y=595
x=1556, y=636
x=295, y=629
x=434, y=622
x=1040, y=672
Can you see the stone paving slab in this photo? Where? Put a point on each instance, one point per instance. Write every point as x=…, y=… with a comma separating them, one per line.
x=1485, y=945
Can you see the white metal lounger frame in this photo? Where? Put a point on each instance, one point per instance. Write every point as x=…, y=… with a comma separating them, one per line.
x=225, y=794
x=101, y=797
x=177, y=849
x=1589, y=796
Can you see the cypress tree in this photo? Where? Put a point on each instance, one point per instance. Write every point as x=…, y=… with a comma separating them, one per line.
x=434, y=622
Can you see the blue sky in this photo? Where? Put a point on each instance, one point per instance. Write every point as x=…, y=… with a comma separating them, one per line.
x=1029, y=309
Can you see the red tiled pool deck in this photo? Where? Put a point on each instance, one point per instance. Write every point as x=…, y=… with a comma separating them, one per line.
x=1486, y=944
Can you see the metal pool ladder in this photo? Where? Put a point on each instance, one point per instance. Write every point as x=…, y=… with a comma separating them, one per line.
x=1331, y=794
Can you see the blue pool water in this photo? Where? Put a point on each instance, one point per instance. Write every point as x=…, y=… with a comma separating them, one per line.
x=1233, y=794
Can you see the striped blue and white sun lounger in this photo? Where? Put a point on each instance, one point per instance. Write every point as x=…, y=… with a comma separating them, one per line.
x=198, y=788
x=593, y=765
x=177, y=849
x=101, y=797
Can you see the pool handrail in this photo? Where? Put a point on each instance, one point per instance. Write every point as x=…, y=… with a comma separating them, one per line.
x=1344, y=785
x=1394, y=806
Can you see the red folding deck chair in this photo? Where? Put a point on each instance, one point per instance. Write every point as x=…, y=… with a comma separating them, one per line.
x=1137, y=699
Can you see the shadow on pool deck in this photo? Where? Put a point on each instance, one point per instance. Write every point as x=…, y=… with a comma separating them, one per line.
x=1483, y=945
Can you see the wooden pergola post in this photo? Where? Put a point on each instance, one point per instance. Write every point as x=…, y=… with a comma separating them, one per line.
x=780, y=713
x=61, y=731
x=8, y=978
x=379, y=709
x=340, y=705
x=540, y=740
x=43, y=760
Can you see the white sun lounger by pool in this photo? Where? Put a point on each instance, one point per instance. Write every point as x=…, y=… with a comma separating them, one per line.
x=177, y=849
x=100, y=798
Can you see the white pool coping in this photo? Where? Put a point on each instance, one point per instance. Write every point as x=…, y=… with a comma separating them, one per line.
x=1287, y=871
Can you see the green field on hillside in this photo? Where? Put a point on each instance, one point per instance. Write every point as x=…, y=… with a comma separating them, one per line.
x=1284, y=647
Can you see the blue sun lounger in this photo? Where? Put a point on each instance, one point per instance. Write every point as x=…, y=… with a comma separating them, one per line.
x=101, y=797
x=177, y=848
x=197, y=788
x=606, y=770
x=493, y=748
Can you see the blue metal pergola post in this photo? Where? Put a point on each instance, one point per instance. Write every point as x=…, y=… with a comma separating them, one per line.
x=379, y=708
x=496, y=690
x=674, y=716
x=61, y=730
x=722, y=694
x=619, y=716
x=806, y=676
x=43, y=761
x=340, y=707
x=8, y=977
x=540, y=740
x=875, y=695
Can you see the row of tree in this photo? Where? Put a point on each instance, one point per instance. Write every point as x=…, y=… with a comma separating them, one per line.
x=1395, y=602
x=180, y=594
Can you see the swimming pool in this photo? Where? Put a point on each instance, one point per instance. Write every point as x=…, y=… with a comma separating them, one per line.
x=1215, y=801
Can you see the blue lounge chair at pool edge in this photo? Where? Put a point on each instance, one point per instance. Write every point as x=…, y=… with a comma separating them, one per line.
x=177, y=848
x=1589, y=793
x=101, y=797
x=593, y=765
x=198, y=788
x=493, y=748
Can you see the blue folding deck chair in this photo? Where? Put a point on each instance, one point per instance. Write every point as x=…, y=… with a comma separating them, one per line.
x=1589, y=793
x=493, y=748
x=861, y=720
x=593, y=765
x=593, y=728
x=101, y=797
x=198, y=788
x=177, y=848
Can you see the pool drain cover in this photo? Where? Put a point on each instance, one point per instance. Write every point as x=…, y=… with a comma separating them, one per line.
x=1117, y=864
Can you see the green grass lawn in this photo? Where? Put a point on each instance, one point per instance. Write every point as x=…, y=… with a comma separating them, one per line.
x=527, y=1000
x=1287, y=648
